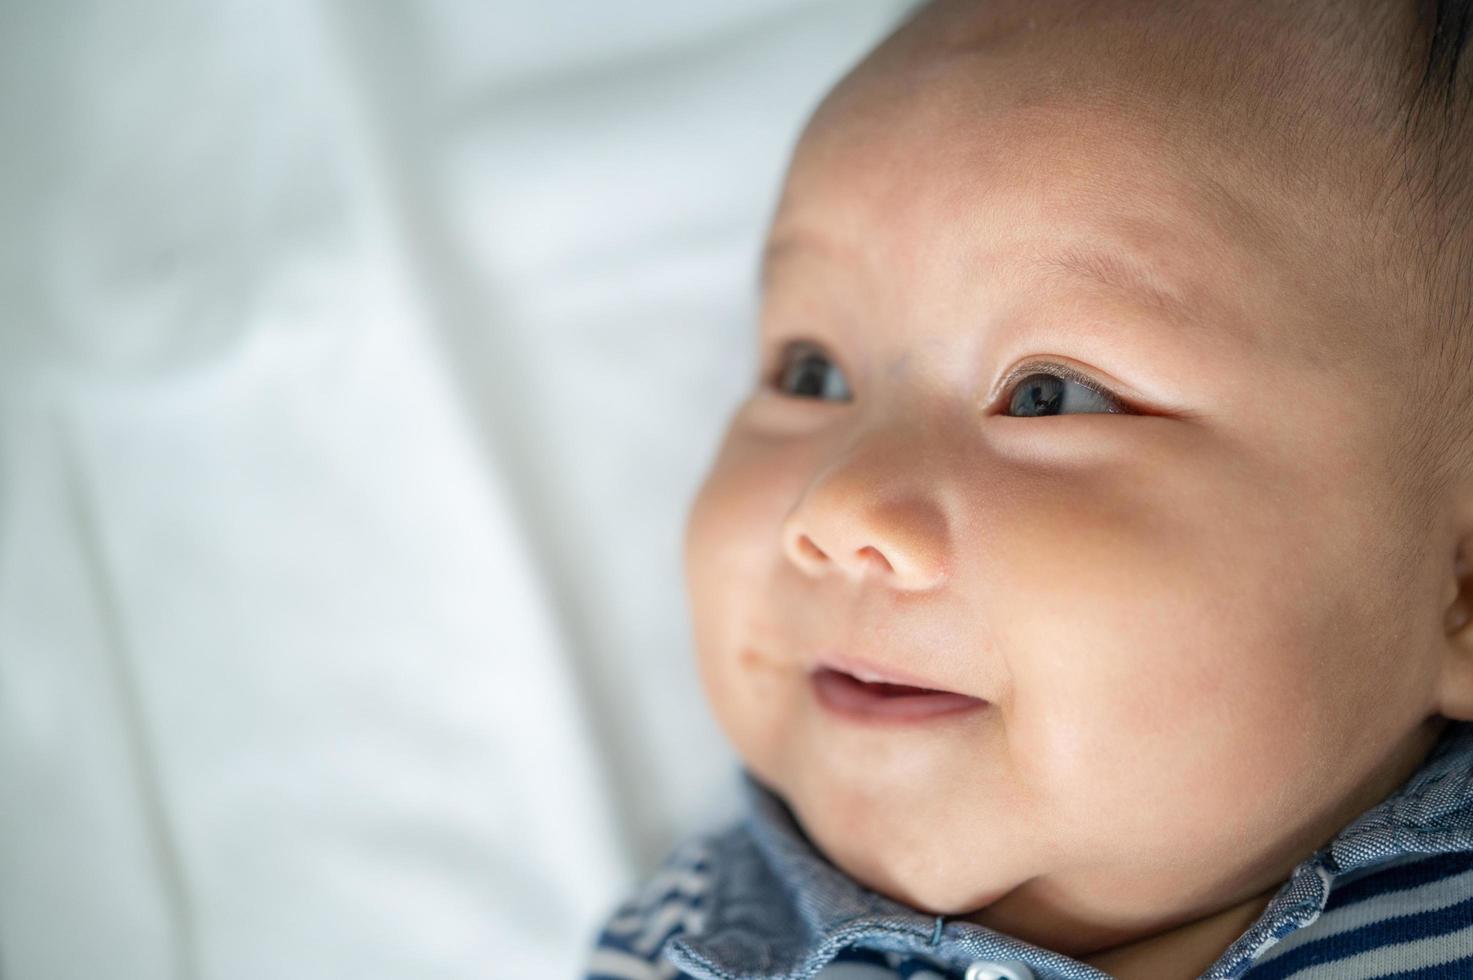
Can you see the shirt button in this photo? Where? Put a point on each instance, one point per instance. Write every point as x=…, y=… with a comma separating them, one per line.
x=992, y=970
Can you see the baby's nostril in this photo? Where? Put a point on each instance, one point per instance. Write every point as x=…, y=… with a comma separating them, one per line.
x=809, y=549
x=872, y=554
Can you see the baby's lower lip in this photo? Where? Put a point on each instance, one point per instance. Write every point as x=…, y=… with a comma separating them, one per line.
x=852, y=698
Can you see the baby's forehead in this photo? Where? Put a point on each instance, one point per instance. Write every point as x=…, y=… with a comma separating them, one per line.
x=1276, y=90
x=1049, y=158
x=1038, y=194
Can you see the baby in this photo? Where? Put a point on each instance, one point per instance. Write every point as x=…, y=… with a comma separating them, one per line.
x=1025, y=690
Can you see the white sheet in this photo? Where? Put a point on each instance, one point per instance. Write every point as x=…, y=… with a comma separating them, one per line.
x=357, y=364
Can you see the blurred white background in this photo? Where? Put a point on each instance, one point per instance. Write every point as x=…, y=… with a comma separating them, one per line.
x=357, y=365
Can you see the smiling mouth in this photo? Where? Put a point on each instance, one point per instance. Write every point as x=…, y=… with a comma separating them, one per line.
x=878, y=701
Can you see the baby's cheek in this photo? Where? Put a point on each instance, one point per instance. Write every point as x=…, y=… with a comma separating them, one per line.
x=732, y=553
x=1153, y=701
x=1211, y=746
x=751, y=696
x=729, y=545
x=1152, y=782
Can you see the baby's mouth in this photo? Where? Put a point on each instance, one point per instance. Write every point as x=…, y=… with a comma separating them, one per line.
x=879, y=701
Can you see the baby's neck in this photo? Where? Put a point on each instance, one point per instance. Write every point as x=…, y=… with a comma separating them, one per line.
x=1185, y=952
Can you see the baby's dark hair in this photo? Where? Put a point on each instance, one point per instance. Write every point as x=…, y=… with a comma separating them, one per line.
x=1437, y=154
x=1449, y=26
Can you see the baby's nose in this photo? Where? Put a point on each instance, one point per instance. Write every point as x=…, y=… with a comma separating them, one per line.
x=808, y=555
x=848, y=521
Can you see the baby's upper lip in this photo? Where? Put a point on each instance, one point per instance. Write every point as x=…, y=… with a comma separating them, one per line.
x=869, y=671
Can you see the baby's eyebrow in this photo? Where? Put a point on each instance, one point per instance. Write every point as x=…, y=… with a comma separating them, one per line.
x=778, y=246
x=1115, y=269
x=1102, y=263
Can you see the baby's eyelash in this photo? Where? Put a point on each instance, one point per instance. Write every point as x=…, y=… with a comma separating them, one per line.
x=1059, y=369
x=1067, y=372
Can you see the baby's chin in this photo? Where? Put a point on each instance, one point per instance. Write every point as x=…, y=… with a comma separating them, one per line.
x=895, y=848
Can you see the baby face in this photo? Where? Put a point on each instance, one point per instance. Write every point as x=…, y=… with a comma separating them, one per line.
x=1058, y=413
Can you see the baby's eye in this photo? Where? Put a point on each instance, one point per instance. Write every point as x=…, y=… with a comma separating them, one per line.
x=1052, y=391
x=806, y=372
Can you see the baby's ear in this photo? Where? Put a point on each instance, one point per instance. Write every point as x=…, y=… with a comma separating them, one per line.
x=1457, y=666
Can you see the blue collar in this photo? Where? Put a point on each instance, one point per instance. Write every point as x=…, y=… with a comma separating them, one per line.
x=780, y=910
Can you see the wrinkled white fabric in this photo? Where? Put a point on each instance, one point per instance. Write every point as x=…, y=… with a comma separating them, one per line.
x=357, y=364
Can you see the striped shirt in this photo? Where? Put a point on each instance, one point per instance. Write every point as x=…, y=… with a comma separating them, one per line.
x=1391, y=896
